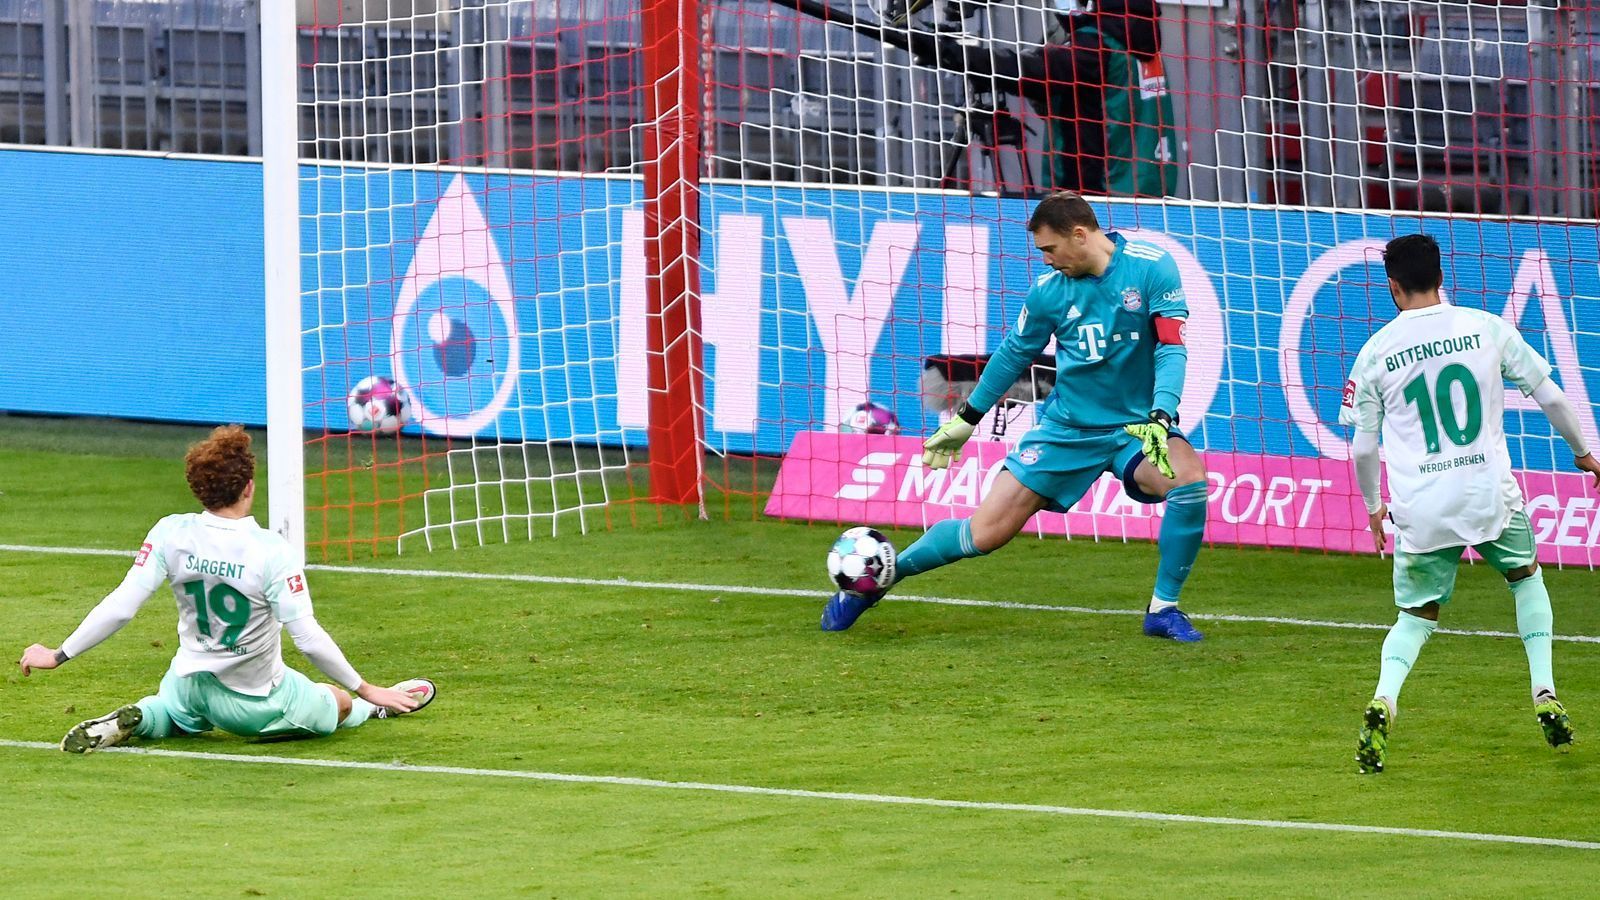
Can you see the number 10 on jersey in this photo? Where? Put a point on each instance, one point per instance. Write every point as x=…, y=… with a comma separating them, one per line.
x=1444, y=415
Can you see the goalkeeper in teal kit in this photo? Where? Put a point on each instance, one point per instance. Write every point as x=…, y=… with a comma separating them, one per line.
x=1116, y=310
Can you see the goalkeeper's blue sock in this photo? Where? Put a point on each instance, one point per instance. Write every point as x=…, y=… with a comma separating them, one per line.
x=1182, y=531
x=360, y=711
x=944, y=543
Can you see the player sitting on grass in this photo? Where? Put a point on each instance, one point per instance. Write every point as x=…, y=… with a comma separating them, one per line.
x=1431, y=381
x=1116, y=310
x=237, y=586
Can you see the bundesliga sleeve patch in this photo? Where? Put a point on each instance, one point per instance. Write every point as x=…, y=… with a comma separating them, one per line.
x=1349, y=401
x=143, y=554
x=1170, y=331
x=297, y=584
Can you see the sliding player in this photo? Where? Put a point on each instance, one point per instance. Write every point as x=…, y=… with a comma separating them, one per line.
x=1116, y=310
x=1431, y=381
x=237, y=585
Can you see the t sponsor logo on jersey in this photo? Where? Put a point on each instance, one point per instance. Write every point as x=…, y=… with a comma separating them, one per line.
x=1131, y=300
x=1092, y=341
x=1350, y=394
x=297, y=584
x=142, y=555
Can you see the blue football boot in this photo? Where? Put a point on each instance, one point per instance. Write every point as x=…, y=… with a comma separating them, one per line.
x=845, y=607
x=1171, y=623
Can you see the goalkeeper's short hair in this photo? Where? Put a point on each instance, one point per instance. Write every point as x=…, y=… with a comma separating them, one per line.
x=1062, y=212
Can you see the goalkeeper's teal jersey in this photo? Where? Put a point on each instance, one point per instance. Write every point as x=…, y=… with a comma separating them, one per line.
x=1106, y=365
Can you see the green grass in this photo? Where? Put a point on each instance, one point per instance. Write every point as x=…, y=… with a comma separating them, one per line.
x=922, y=700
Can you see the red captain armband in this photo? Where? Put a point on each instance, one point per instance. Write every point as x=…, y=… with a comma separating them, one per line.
x=1169, y=331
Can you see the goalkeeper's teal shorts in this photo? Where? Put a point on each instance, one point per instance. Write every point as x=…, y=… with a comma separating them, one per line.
x=199, y=702
x=1060, y=463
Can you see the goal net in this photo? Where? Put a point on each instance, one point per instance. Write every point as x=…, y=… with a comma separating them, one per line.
x=736, y=258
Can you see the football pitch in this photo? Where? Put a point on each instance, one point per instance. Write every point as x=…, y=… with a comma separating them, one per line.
x=652, y=711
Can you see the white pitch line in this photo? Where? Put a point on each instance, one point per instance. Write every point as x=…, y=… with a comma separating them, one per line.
x=813, y=594
x=845, y=796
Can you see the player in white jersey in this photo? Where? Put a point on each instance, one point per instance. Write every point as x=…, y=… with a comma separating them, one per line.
x=1432, y=382
x=237, y=586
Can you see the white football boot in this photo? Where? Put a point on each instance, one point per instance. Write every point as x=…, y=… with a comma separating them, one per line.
x=109, y=730
x=420, y=688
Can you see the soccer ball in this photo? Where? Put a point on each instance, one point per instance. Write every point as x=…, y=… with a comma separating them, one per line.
x=870, y=418
x=861, y=561
x=377, y=404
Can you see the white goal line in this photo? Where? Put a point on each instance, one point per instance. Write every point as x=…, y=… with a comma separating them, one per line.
x=843, y=796
x=818, y=595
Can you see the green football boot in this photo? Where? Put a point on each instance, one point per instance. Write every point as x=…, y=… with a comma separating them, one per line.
x=1553, y=719
x=109, y=730
x=1373, y=744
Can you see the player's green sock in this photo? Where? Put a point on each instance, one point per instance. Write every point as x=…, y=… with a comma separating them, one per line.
x=1182, y=530
x=156, y=723
x=360, y=710
x=946, y=542
x=1400, y=651
x=1536, y=623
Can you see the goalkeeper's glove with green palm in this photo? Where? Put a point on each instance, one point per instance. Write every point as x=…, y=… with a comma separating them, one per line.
x=944, y=447
x=1154, y=435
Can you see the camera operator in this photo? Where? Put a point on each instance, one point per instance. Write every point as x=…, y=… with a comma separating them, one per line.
x=1103, y=91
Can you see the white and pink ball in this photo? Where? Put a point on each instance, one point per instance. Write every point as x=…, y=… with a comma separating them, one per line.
x=861, y=561
x=870, y=418
x=377, y=404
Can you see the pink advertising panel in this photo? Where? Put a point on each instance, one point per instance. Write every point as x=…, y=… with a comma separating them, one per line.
x=1273, y=501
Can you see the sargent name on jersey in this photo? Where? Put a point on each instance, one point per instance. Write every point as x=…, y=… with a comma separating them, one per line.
x=213, y=567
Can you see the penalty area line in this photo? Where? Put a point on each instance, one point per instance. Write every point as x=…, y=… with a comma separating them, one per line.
x=817, y=595
x=840, y=796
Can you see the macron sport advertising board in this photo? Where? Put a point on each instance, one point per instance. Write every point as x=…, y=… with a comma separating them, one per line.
x=136, y=291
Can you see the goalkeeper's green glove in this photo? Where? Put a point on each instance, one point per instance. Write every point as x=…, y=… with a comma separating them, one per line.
x=1154, y=435
x=944, y=447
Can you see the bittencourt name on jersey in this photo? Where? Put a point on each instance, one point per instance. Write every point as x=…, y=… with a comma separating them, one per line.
x=1431, y=349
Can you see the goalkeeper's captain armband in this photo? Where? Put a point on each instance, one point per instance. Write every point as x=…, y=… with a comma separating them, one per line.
x=1169, y=331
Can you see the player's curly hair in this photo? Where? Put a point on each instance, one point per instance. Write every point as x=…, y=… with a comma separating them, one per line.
x=219, y=467
x=1063, y=211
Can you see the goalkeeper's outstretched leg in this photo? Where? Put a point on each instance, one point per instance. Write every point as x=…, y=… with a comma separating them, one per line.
x=1008, y=506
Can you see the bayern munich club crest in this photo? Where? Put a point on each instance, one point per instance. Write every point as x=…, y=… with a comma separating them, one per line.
x=1131, y=300
x=455, y=343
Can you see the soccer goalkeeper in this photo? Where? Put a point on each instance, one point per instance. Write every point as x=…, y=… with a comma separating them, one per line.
x=237, y=586
x=1116, y=310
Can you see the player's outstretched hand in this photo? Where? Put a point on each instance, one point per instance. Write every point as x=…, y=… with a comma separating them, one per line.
x=1588, y=464
x=395, y=701
x=944, y=447
x=1379, y=539
x=37, y=656
x=1154, y=435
